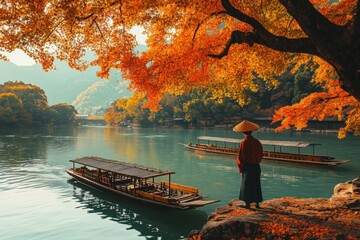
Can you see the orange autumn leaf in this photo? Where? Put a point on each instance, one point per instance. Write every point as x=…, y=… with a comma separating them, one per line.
x=333, y=103
x=285, y=225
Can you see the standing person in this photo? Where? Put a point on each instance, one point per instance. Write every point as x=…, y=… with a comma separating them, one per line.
x=248, y=160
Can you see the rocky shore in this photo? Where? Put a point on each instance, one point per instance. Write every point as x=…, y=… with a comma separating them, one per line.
x=289, y=218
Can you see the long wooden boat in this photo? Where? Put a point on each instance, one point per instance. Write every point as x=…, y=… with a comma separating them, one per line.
x=230, y=146
x=135, y=182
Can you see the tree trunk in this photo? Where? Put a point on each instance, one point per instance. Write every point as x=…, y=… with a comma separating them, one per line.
x=336, y=44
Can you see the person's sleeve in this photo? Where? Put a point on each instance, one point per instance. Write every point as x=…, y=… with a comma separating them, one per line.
x=240, y=158
x=261, y=152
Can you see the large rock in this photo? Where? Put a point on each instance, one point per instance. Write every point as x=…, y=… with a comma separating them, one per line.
x=289, y=218
x=347, y=195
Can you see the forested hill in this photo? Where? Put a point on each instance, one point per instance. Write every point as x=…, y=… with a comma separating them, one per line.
x=65, y=85
x=98, y=97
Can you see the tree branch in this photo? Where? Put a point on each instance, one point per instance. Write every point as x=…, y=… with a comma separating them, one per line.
x=230, y=42
x=311, y=21
x=102, y=35
x=84, y=18
x=262, y=36
x=232, y=11
x=300, y=45
x=99, y=11
x=210, y=15
x=53, y=29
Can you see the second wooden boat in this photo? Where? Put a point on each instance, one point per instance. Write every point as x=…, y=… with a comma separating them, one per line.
x=230, y=146
x=136, y=182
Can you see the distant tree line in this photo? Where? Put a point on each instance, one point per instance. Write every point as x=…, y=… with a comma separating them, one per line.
x=26, y=104
x=201, y=108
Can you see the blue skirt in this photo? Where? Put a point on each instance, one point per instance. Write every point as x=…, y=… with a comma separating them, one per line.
x=250, y=190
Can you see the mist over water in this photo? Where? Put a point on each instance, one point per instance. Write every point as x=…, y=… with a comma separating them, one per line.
x=40, y=201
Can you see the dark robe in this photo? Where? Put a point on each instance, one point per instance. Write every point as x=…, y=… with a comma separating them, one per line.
x=249, y=157
x=250, y=190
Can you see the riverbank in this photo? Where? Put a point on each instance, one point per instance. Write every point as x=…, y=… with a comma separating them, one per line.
x=289, y=218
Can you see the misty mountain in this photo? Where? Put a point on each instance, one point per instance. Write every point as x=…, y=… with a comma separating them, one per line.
x=66, y=85
x=99, y=96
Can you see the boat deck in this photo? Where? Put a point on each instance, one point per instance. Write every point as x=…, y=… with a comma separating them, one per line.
x=136, y=182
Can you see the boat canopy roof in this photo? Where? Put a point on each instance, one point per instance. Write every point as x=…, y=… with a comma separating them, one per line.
x=264, y=142
x=123, y=168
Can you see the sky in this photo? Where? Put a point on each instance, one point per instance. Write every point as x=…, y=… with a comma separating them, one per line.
x=19, y=58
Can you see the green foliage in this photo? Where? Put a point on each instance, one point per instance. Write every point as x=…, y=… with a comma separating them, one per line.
x=62, y=113
x=11, y=108
x=194, y=111
x=26, y=104
x=303, y=85
x=292, y=88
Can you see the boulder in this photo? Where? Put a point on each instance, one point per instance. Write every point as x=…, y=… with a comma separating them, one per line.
x=347, y=195
x=289, y=218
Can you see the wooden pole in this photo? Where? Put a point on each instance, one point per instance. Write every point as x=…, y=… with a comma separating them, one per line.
x=169, y=185
x=313, y=150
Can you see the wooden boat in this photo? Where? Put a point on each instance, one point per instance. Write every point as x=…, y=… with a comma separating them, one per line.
x=135, y=182
x=230, y=146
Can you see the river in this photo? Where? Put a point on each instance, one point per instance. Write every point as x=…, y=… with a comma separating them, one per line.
x=38, y=200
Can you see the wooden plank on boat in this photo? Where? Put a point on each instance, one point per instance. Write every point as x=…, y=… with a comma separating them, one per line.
x=182, y=196
x=153, y=196
x=191, y=198
x=181, y=187
x=197, y=203
x=123, y=168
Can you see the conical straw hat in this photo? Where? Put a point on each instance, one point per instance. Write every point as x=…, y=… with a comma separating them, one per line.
x=246, y=126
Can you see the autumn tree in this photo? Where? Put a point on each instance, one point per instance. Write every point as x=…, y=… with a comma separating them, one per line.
x=186, y=39
x=62, y=113
x=11, y=109
x=117, y=114
x=126, y=110
x=111, y=117
x=167, y=113
x=33, y=100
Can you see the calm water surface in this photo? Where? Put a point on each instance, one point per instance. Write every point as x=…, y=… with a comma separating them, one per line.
x=38, y=200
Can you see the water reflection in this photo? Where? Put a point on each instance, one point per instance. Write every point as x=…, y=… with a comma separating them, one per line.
x=18, y=145
x=20, y=150
x=151, y=223
x=124, y=141
x=278, y=179
x=138, y=146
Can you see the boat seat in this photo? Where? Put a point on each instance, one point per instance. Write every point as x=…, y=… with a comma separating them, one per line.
x=147, y=188
x=131, y=187
x=123, y=181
